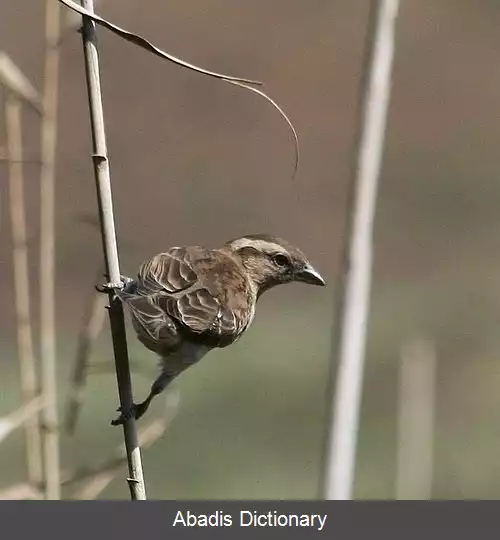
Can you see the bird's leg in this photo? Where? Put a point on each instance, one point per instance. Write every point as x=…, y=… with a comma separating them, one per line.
x=138, y=409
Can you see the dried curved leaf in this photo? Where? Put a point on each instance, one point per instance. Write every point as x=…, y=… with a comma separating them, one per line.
x=285, y=117
x=147, y=45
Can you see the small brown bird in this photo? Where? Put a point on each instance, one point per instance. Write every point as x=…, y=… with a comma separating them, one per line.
x=190, y=300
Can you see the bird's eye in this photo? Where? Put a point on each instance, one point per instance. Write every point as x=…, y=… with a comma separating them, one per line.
x=281, y=260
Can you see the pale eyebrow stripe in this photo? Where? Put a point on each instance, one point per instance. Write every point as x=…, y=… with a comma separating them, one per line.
x=260, y=244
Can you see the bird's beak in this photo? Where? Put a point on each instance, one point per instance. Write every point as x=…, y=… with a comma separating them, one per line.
x=309, y=275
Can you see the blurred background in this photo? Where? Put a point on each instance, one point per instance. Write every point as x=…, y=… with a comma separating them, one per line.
x=196, y=161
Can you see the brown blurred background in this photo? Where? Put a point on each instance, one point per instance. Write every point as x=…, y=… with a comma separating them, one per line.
x=194, y=160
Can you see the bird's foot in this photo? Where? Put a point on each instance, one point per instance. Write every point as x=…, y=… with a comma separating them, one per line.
x=136, y=411
x=114, y=287
x=124, y=416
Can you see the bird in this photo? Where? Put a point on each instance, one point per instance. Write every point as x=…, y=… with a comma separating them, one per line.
x=189, y=300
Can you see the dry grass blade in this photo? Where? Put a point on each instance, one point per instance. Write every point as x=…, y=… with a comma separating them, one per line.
x=102, y=174
x=351, y=310
x=147, y=45
x=48, y=141
x=27, y=367
x=283, y=115
x=12, y=78
x=12, y=421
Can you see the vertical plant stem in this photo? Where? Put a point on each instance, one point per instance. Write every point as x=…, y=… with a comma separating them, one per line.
x=351, y=315
x=105, y=203
x=28, y=376
x=47, y=251
x=416, y=420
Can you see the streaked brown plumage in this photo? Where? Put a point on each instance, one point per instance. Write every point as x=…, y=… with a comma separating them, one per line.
x=190, y=300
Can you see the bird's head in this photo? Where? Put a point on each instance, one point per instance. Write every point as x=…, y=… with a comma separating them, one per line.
x=270, y=261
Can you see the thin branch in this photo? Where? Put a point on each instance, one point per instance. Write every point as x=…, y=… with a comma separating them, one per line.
x=21, y=416
x=92, y=325
x=147, y=45
x=351, y=316
x=91, y=328
x=47, y=250
x=105, y=203
x=27, y=367
x=416, y=420
x=12, y=78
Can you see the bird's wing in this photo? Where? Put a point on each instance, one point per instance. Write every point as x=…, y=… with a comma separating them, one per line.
x=153, y=326
x=202, y=313
x=162, y=275
x=169, y=291
x=170, y=272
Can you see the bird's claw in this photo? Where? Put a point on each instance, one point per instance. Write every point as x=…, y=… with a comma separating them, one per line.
x=135, y=411
x=113, y=287
x=125, y=416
